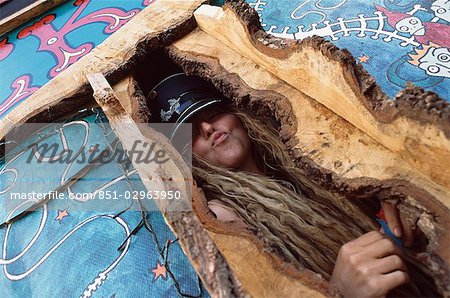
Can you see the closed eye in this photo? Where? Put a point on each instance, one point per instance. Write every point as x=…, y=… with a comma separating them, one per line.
x=214, y=114
x=195, y=132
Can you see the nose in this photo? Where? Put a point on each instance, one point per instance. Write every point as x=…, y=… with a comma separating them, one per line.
x=206, y=129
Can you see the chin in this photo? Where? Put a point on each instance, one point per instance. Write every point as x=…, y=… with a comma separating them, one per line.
x=233, y=164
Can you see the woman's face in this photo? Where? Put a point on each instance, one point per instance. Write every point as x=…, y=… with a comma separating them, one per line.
x=219, y=137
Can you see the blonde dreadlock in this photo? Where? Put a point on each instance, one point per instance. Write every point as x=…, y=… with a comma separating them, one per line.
x=306, y=230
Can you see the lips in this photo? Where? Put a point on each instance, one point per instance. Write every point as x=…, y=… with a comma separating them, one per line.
x=218, y=137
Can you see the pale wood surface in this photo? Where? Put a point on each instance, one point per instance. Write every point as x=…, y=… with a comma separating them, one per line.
x=320, y=134
x=256, y=272
x=27, y=13
x=122, y=91
x=329, y=82
x=325, y=137
x=109, y=57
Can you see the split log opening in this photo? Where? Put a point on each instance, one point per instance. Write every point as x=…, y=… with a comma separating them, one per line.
x=421, y=207
x=364, y=192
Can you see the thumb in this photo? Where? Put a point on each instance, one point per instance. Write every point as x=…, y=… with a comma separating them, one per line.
x=393, y=219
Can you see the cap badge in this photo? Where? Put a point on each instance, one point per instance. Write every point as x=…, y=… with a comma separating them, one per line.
x=174, y=105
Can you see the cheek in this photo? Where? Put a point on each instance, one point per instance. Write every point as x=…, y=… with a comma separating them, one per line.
x=235, y=124
x=234, y=151
x=199, y=148
x=242, y=134
x=230, y=156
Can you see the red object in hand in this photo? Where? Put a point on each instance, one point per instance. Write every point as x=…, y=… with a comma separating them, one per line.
x=381, y=215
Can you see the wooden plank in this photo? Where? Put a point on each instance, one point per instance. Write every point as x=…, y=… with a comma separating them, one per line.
x=260, y=275
x=130, y=134
x=33, y=10
x=320, y=134
x=335, y=145
x=11, y=7
x=157, y=25
x=415, y=127
x=132, y=99
x=195, y=241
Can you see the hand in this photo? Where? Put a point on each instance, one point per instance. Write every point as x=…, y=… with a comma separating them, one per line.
x=398, y=225
x=369, y=266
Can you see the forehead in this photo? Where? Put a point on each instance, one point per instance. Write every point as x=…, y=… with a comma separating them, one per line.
x=222, y=108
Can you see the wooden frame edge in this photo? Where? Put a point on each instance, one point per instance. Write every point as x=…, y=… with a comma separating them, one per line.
x=27, y=13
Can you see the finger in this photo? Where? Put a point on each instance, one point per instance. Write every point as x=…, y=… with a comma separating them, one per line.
x=388, y=264
x=368, y=238
x=393, y=219
x=382, y=248
x=394, y=279
x=408, y=233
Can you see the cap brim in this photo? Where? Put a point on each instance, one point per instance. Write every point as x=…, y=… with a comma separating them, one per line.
x=193, y=110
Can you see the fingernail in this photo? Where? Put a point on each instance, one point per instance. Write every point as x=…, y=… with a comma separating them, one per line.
x=398, y=232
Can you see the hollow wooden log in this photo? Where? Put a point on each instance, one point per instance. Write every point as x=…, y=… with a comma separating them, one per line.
x=306, y=125
x=360, y=146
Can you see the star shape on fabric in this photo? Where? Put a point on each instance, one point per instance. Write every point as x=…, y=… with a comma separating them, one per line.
x=160, y=270
x=61, y=215
x=363, y=58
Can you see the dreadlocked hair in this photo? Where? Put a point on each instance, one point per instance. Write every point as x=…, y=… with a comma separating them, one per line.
x=303, y=224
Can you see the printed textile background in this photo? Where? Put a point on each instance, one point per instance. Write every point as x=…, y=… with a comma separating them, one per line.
x=70, y=247
x=397, y=41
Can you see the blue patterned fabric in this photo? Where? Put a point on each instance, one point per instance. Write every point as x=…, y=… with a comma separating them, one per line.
x=64, y=250
x=39, y=50
x=397, y=41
